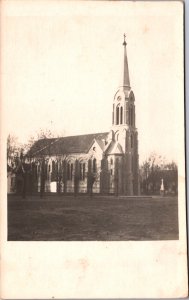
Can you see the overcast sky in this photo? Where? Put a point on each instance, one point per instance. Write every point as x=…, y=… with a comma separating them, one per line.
x=63, y=63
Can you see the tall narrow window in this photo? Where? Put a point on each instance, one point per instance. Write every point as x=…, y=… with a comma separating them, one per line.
x=68, y=171
x=132, y=164
x=83, y=171
x=129, y=115
x=131, y=111
x=94, y=165
x=132, y=115
x=53, y=174
x=131, y=141
x=71, y=171
x=117, y=115
x=80, y=171
x=121, y=115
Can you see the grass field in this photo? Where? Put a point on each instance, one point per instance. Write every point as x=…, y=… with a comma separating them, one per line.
x=69, y=218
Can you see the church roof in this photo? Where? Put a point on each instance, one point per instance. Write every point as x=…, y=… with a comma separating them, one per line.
x=66, y=145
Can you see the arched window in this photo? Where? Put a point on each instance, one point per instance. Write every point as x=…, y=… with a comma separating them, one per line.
x=121, y=115
x=53, y=166
x=129, y=119
x=131, y=111
x=53, y=169
x=71, y=171
x=82, y=171
x=94, y=165
x=53, y=173
x=132, y=164
x=131, y=141
x=117, y=115
x=68, y=171
x=132, y=115
x=89, y=166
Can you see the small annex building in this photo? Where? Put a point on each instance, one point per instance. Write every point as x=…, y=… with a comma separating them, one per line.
x=106, y=162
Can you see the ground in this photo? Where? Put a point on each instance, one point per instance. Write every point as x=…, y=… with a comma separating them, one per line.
x=97, y=218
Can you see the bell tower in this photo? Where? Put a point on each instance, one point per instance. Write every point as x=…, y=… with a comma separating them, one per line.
x=125, y=131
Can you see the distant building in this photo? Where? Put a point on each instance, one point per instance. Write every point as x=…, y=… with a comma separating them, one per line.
x=106, y=162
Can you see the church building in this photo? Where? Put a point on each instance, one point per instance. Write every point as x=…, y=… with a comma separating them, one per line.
x=107, y=162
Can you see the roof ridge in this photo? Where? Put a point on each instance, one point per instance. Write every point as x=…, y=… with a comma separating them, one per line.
x=98, y=133
x=68, y=144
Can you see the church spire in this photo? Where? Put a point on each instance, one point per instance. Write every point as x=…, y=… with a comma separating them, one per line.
x=126, y=81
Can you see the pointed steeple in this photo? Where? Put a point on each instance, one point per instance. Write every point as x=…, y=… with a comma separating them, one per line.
x=126, y=80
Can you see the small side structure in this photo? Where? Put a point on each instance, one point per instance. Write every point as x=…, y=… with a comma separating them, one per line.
x=11, y=180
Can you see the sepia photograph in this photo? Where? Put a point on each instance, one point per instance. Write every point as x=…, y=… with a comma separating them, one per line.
x=119, y=181
x=93, y=112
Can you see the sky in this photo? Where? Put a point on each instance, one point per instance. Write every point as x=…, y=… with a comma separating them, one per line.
x=62, y=63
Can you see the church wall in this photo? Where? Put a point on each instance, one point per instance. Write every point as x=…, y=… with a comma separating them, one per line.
x=51, y=184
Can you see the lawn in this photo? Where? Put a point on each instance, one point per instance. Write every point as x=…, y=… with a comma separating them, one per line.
x=97, y=218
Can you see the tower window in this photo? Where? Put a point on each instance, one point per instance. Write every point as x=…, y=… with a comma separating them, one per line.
x=131, y=115
x=117, y=115
x=121, y=115
x=132, y=164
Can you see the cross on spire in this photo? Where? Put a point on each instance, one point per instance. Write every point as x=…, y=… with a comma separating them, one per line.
x=124, y=42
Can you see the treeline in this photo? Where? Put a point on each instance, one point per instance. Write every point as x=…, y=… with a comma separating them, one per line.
x=153, y=170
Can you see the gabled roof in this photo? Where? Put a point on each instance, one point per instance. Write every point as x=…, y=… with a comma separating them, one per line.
x=66, y=145
x=114, y=148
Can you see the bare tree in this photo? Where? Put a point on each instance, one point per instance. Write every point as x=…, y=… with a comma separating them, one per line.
x=13, y=149
x=92, y=175
x=153, y=170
